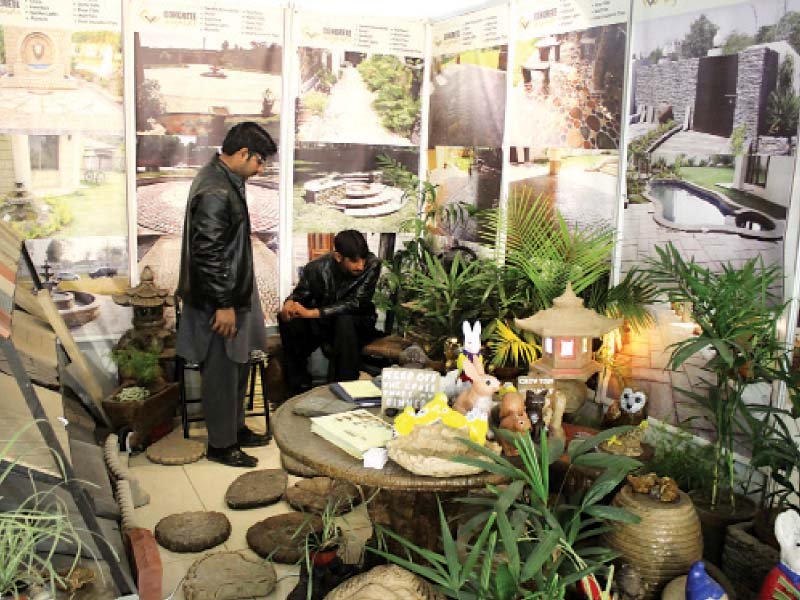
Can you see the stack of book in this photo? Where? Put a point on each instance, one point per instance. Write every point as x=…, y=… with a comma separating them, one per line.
x=355, y=431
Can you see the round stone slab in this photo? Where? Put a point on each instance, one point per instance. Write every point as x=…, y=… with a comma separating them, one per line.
x=295, y=467
x=282, y=536
x=312, y=495
x=175, y=450
x=229, y=576
x=257, y=488
x=193, y=531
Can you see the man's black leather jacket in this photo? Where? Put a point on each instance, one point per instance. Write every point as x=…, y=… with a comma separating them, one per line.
x=325, y=286
x=217, y=256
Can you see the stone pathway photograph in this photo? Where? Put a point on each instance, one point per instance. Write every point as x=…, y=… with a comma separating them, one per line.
x=349, y=116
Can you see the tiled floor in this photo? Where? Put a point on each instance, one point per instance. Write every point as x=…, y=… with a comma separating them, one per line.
x=202, y=486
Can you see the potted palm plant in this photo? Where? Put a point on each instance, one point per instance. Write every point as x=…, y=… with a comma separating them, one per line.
x=737, y=316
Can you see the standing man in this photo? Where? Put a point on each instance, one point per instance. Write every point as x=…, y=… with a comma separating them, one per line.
x=332, y=305
x=222, y=322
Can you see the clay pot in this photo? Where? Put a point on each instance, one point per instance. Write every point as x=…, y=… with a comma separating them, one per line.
x=154, y=412
x=664, y=544
x=715, y=523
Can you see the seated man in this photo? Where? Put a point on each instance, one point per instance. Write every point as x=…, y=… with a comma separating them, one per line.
x=332, y=304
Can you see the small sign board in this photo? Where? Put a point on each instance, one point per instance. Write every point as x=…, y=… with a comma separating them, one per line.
x=408, y=387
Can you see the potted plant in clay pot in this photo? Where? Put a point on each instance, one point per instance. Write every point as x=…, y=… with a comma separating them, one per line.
x=737, y=316
x=144, y=401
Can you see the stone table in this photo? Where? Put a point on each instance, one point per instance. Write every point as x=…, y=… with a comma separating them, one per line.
x=404, y=502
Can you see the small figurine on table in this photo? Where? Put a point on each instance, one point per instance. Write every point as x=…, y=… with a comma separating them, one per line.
x=471, y=351
x=785, y=577
x=701, y=586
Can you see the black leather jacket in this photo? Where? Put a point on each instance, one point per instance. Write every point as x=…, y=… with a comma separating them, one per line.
x=323, y=285
x=216, y=256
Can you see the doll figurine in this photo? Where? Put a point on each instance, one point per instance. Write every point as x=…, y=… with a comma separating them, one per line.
x=471, y=351
x=534, y=408
x=701, y=586
x=786, y=574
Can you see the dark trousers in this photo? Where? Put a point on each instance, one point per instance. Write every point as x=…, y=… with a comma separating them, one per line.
x=224, y=388
x=341, y=337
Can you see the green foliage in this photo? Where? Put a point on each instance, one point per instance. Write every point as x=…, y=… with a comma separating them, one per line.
x=736, y=42
x=738, y=140
x=738, y=314
x=316, y=102
x=700, y=38
x=656, y=55
x=149, y=103
x=138, y=364
x=783, y=104
x=787, y=28
x=512, y=348
x=677, y=455
x=31, y=532
x=394, y=83
x=527, y=542
x=326, y=79
x=32, y=227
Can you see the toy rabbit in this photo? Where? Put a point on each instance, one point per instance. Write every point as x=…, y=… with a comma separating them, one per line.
x=786, y=574
x=479, y=394
x=471, y=351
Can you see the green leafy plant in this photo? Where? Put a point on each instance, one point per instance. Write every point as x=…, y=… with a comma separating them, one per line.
x=678, y=455
x=316, y=102
x=31, y=532
x=737, y=313
x=139, y=365
x=527, y=543
x=510, y=348
x=396, y=87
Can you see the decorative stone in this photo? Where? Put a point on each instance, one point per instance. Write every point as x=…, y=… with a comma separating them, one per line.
x=193, y=531
x=318, y=406
x=605, y=143
x=295, y=467
x=385, y=582
x=175, y=450
x=428, y=450
x=257, y=488
x=282, y=537
x=312, y=495
x=229, y=576
x=593, y=122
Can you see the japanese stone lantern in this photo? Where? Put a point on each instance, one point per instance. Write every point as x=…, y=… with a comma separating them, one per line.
x=567, y=330
x=149, y=324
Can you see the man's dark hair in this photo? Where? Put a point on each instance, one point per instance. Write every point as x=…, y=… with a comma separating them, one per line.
x=251, y=136
x=351, y=244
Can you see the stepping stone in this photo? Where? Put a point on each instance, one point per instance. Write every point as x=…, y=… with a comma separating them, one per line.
x=282, y=538
x=193, y=531
x=385, y=582
x=257, y=488
x=318, y=406
x=295, y=467
x=312, y=495
x=229, y=576
x=175, y=450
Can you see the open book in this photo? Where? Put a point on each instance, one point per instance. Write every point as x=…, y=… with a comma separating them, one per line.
x=355, y=431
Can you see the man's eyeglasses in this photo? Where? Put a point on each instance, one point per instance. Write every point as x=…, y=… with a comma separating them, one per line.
x=260, y=159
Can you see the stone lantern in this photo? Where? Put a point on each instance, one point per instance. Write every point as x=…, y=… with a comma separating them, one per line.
x=148, y=302
x=567, y=330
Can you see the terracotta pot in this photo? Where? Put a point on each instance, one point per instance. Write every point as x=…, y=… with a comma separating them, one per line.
x=746, y=560
x=716, y=522
x=664, y=544
x=320, y=558
x=507, y=373
x=155, y=411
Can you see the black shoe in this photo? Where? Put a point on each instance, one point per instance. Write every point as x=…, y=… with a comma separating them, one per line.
x=231, y=456
x=247, y=438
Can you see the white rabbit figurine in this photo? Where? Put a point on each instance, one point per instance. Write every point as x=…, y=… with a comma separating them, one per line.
x=471, y=350
x=786, y=572
x=479, y=394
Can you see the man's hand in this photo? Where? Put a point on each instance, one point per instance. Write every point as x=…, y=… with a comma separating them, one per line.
x=224, y=322
x=292, y=310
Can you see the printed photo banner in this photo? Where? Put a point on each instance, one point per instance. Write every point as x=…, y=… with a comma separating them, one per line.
x=466, y=119
x=565, y=106
x=199, y=69
x=378, y=35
